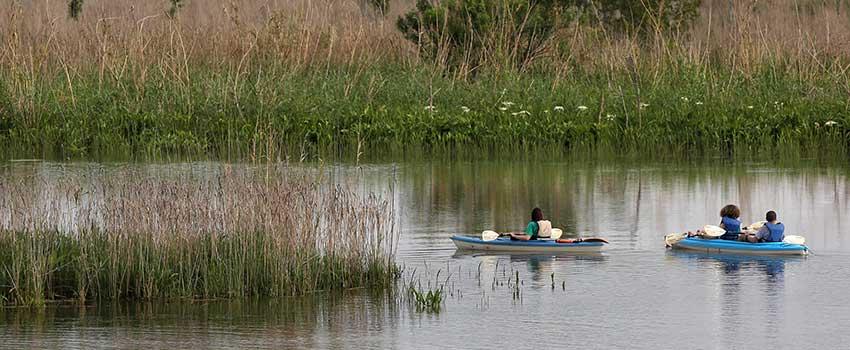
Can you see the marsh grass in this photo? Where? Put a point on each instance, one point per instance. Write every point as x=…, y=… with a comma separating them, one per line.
x=392, y=112
x=136, y=237
x=313, y=79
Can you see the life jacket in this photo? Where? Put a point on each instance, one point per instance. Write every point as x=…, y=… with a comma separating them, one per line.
x=777, y=232
x=544, y=229
x=732, y=226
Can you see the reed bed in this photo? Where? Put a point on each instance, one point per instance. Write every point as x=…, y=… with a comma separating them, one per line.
x=132, y=236
x=304, y=79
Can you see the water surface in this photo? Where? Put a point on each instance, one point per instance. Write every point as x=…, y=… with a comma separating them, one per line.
x=636, y=294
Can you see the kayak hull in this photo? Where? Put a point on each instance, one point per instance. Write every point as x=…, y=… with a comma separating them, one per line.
x=736, y=247
x=504, y=244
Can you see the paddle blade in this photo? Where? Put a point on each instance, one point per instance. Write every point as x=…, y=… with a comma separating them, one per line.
x=712, y=231
x=557, y=233
x=754, y=227
x=674, y=238
x=595, y=239
x=489, y=235
x=794, y=240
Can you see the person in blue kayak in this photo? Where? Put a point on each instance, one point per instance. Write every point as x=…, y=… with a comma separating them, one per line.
x=772, y=231
x=729, y=221
x=532, y=230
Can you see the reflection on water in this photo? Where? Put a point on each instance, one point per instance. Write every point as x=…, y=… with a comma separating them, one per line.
x=632, y=204
x=736, y=275
x=634, y=295
x=283, y=323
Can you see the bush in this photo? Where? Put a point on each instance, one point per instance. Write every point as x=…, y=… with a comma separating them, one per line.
x=463, y=33
x=460, y=32
x=642, y=16
x=75, y=7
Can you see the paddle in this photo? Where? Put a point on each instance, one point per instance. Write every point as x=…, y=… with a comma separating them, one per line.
x=557, y=233
x=792, y=239
x=674, y=238
x=708, y=231
x=489, y=235
x=712, y=231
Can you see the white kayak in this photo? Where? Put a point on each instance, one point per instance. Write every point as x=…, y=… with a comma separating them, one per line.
x=505, y=244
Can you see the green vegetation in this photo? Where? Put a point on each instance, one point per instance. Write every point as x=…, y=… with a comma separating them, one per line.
x=393, y=112
x=135, y=237
x=75, y=7
x=465, y=34
x=430, y=301
x=460, y=78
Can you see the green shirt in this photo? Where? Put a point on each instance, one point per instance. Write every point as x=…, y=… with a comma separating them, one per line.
x=532, y=229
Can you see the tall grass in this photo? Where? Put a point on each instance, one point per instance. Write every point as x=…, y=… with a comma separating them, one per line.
x=298, y=79
x=138, y=237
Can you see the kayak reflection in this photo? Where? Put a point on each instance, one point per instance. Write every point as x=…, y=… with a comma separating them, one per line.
x=738, y=294
x=540, y=266
x=773, y=267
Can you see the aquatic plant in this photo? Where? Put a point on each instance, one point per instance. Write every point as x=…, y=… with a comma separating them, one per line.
x=430, y=301
x=131, y=236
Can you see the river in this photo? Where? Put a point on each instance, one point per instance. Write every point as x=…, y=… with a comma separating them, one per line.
x=636, y=294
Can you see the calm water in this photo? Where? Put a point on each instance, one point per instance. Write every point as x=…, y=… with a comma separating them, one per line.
x=634, y=295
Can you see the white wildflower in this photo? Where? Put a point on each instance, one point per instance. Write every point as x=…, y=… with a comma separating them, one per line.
x=683, y=98
x=830, y=123
x=507, y=103
x=698, y=103
x=644, y=105
x=523, y=112
x=503, y=108
x=817, y=125
x=558, y=109
x=610, y=117
x=749, y=107
x=582, y=108
x=431, y=108
x=465, y=109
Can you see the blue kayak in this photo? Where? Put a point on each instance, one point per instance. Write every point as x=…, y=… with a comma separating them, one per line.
x=505, y=244
x=736, y=247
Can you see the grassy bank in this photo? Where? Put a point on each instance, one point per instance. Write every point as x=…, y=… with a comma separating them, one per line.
x=310, y=79
x=396, y=112
x=135, y=237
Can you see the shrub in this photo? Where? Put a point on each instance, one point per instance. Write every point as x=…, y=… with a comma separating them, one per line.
x=75, y=7
x=462, y=33
x=643, y=16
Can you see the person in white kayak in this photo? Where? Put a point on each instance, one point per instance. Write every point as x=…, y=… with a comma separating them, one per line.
x=536, y=228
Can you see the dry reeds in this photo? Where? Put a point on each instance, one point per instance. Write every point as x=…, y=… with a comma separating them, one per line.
x=287, y=79
x=123, y=39
x=132, y=236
